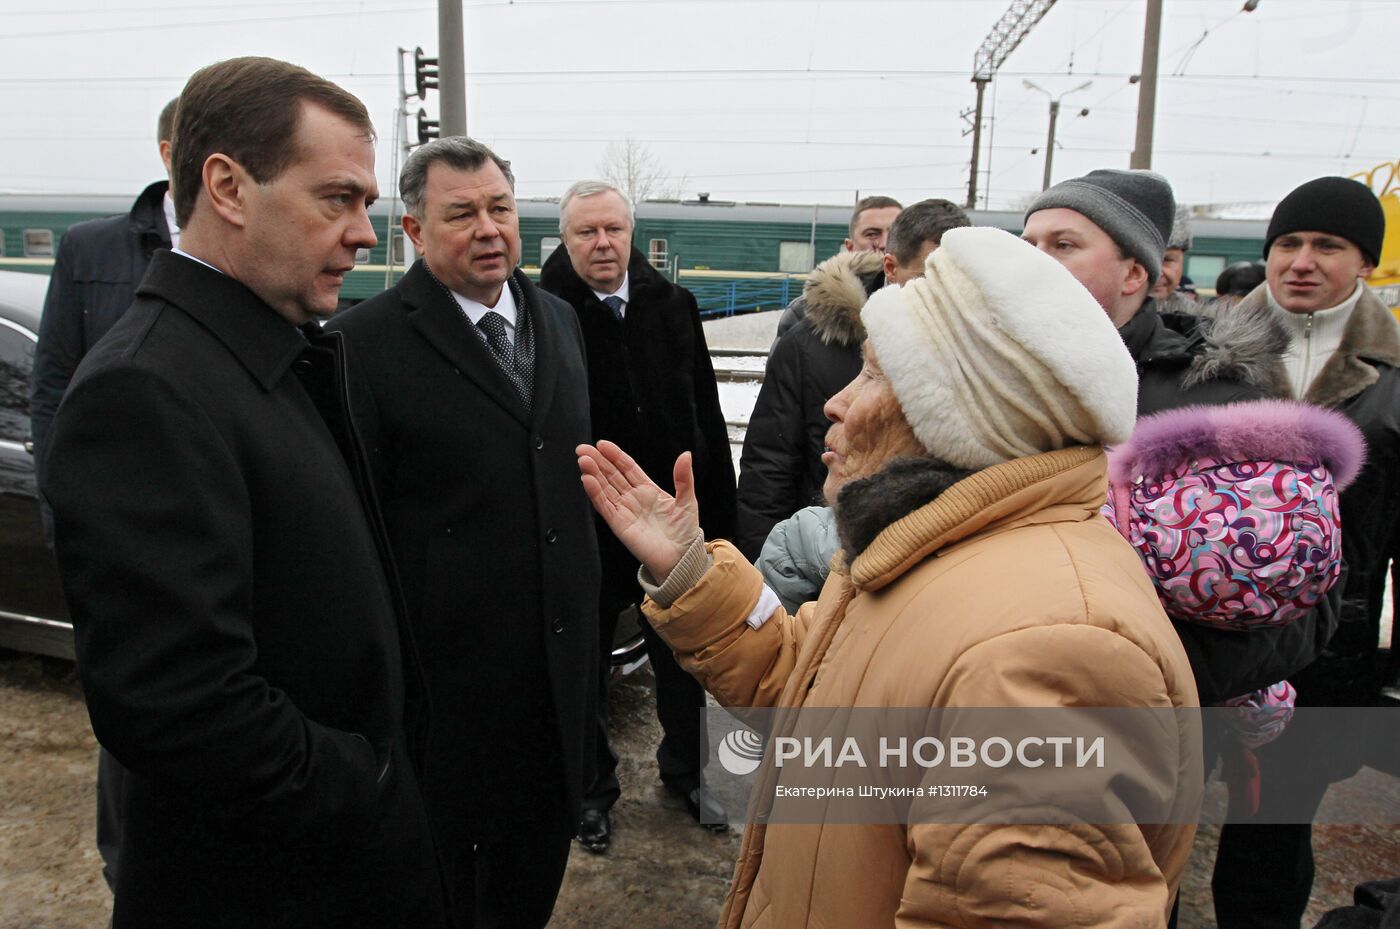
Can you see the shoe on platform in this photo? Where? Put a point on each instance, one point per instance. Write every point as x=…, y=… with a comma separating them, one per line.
x=705, y=807
x=595, y=831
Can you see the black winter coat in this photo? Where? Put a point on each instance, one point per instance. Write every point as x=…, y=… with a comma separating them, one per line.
x=1362, y=381
x=238, y=635
x=493, y=537
x=1188, y=360
x=99, y=264
x=780, y=470
x=652, y=390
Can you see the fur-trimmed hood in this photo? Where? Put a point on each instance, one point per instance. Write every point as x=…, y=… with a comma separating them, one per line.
x=1262, y=430
x=835, y=293
x=1371, y=338
x=1244, y=346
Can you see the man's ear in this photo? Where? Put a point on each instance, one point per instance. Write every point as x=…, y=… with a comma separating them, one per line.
x=849, y=246
x=228, y=187
x=165, y=155
x=414, y=230
x=1366, y=269
x=1137, y=279
x=890, y=266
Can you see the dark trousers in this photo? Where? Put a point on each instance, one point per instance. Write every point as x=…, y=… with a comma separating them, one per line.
x=680, y=702
x=511, y=882
x=110, y=777
x=1264, y=872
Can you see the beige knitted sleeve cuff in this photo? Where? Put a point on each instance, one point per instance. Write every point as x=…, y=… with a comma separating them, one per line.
x=685, y=575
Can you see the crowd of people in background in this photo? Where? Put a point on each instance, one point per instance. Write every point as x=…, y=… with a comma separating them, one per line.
x=343, y=615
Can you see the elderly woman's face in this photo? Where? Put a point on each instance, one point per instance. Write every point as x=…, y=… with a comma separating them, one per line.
x=868, y=428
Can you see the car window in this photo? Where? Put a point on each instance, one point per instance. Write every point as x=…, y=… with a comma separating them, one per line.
x=16, y=362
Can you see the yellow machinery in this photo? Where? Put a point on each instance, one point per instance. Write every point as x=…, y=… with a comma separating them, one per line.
x=1384, y=180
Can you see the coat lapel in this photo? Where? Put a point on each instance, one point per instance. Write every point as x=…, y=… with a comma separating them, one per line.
x=546, y=328
x=441, y=323
x=1371, y=336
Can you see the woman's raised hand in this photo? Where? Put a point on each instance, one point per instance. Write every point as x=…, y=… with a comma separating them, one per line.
x=655, y=526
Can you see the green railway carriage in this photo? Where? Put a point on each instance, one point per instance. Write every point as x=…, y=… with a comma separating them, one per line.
x=735, y=257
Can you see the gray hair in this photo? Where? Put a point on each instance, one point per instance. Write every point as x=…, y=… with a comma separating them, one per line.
x=591, y=189
x=458, y=152
x=921, y=222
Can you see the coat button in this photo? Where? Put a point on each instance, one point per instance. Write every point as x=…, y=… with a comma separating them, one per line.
x=302, y=366
x=558, y=626
x=539, y=443
x=551, y=536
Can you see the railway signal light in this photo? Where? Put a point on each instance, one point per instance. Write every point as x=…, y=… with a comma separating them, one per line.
x=427, y=128
x=425, y=73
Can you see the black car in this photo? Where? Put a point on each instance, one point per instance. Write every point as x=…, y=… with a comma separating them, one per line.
x=33, y=617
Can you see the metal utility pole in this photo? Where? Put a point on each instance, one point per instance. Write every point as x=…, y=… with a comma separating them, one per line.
x=452, y=77
x=1054, y=116
x=1147, y=89
x=1050, y=145
x=976, y=142
x=1015, y=24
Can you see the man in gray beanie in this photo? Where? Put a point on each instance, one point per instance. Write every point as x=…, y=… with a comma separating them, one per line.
x=1111, y=229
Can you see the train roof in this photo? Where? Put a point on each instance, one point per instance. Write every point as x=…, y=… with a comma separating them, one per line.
x=656, y=210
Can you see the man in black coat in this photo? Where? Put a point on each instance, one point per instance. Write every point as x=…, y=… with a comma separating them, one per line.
x=1343, y=353
x=476, y=396
x=94, y=278
x=652, y=391
x=238, y=633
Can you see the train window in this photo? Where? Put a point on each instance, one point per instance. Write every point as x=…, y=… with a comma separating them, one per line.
x=657, y=253
x=38, y=243
x=1204, y=269
x=16, y=361
x=547, y=246
x=796, y=257
x=361, y=256
x=396, y=252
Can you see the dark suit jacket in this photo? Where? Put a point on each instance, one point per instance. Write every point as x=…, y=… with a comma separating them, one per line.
x=94, y=278
x=493, y=536
x=652, y=391
x=237, y=635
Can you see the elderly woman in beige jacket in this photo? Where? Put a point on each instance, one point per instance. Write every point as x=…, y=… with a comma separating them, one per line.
x=967, y=470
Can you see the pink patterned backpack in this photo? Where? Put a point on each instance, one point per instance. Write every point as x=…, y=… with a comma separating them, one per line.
x=1233, y=510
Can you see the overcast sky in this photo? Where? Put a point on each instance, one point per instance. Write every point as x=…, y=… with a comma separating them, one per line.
x=795, y=101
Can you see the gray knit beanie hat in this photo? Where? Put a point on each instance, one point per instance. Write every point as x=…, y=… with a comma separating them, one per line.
x=1181, y=230
x=1135, y=208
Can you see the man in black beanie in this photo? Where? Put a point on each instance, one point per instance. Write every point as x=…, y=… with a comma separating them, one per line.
x=1344, y=353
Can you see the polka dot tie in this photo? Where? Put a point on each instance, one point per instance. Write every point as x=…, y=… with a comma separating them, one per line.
x=493, y=326
x=614, y=303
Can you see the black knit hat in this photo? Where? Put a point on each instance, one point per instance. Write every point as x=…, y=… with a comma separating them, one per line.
x=1337, y=206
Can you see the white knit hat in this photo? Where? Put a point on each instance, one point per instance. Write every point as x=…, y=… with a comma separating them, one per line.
x=999, y=353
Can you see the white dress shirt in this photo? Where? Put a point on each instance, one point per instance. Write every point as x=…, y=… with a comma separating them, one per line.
x=623, y=293
x=170, y=223
x=505, y=306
